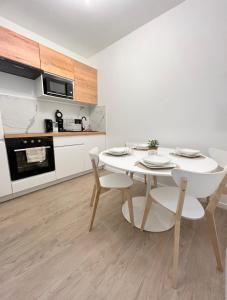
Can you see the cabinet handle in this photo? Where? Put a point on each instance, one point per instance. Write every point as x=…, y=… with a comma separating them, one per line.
x=19, y=150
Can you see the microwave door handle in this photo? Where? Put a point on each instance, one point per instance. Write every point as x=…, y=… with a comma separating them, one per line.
x=57, y=94
x=19, y=150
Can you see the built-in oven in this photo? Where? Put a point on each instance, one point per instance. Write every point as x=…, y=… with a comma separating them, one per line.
x=30, y=156
x=57, y=86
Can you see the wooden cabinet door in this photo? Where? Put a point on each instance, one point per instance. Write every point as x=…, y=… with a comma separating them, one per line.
x=19, y=48
x=56, y=63
x=85, y=83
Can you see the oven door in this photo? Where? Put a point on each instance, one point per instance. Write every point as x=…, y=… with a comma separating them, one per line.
x=58, y=87
x=21, y=168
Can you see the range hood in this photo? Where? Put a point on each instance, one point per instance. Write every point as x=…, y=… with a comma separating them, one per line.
x=19, y=69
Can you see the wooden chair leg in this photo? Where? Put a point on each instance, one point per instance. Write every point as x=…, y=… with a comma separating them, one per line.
x=130, y=206
x=146, y=212
x=176, y=252
x=145, y=179
x=155, y=181
x=225, y=190
x=214, y=239
x=123, y=197
x=97, y=194
x=93, y=196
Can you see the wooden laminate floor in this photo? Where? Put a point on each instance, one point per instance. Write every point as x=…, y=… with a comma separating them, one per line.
x=46, y=251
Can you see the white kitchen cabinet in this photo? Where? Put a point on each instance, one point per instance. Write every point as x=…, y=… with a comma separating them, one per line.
x=68, y=141
x=72, y=153
x=69, y=160
x=5, y=182
x=91, y=142
x=33, y=181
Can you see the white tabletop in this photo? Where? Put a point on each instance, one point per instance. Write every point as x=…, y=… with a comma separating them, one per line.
x=201, y=164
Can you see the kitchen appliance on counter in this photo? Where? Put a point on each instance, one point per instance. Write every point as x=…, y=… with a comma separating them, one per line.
x=72, y=124
x=48, y=125
x=19, y=164
x=59, y=120
x=54, y=86
x=85, y=123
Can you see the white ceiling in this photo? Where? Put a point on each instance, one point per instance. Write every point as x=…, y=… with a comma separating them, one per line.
x=83, y=26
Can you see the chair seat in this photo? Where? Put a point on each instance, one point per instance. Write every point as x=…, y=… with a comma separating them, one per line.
x=168, y=197
x=115, y=181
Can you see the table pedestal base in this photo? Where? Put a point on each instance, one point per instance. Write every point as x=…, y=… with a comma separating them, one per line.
x=159, y=219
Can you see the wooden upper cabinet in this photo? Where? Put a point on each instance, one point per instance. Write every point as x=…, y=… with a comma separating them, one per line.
x=85, y=83
x=19, y=48
x=56, y=63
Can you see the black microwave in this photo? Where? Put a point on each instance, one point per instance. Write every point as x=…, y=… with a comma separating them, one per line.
x=57, y=86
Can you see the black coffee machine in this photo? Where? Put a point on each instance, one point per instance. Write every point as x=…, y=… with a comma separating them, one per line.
x=48, y=125
x=59, y=120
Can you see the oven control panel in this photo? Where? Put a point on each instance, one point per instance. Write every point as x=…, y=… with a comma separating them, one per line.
x=30, y=142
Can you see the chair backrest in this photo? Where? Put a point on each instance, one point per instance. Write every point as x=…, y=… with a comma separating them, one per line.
x=199, y=185
x=94, y=156
x=219, y=155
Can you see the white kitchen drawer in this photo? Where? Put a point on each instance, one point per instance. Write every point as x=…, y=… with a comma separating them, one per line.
x=33, y=181
x=69, y=160
x=5, y=182
x=68, y=140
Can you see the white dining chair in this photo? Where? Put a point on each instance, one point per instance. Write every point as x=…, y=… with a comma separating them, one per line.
x=220, y=156
x=183, y=202
x=105, y=183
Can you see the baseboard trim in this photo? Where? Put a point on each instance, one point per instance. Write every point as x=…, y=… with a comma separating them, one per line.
x=42, y=186
x=136, y=177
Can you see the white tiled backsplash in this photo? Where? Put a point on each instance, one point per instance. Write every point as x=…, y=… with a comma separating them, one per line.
x=26, y=114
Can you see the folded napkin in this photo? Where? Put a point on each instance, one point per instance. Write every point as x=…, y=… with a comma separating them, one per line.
x=36, y=154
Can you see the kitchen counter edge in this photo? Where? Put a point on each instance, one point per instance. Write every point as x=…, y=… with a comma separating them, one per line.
x=54, y=134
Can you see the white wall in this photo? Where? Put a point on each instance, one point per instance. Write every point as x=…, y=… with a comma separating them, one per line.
x=168, y=79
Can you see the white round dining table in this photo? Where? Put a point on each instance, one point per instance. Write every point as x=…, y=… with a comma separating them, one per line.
x=159, y=219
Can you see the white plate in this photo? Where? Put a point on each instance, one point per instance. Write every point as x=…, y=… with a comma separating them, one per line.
x=118, y=151
x=117, y=154
x=188, y=152
x=141, y=146
x=188, y=156
x=170, y=165
x=156, y=160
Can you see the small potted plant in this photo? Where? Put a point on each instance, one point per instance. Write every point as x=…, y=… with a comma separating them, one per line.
x=153, y=146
